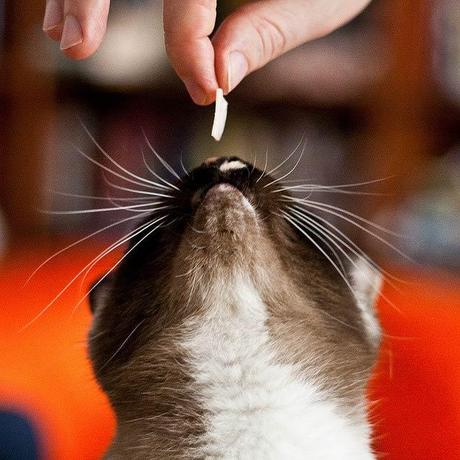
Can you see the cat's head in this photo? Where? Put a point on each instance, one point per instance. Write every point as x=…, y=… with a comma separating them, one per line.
x=226, y=226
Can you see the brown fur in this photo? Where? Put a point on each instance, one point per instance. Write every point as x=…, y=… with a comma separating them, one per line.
x=159, y=288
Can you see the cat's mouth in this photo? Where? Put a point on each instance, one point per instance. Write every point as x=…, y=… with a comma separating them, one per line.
x=213, y=191
x=235, y=195
x=224, y=210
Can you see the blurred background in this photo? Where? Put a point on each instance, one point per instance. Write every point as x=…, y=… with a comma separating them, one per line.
x=377, y=99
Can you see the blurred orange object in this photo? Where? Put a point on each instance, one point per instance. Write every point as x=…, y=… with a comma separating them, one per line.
x=44, y=369
x=417, y=381
x=45, y=373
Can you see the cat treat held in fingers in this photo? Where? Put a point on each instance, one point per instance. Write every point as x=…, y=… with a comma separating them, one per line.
x=235, y=330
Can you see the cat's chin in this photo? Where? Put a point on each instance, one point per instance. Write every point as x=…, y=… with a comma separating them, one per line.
x=226, y=216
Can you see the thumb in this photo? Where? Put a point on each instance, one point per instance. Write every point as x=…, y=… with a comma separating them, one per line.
x=259, y=32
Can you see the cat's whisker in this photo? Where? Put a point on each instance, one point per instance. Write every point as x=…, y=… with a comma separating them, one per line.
x=254, y=161
x=126, y=254
x=134, y=207
x=118, y=165
x=138, y=192
x=313, y=225
x=166, y=165
x=168, y=185
x=121, y=346
x=330, y=208
x=341, y=270
x=347, y=185
x=113, y=246
x=81, y=240
x=321, y=189
x=186, y=171
x=195, y=246
x=287, y=158
x=319, y=234
x=265, y=166
x=289, y=172
x=299, y=227
x=95, y=197
x=345, y=240
x=356, y=224
x=197, y=230
x=332, y=238
x=292, y=181
x=132, y=234
x=110, y=171
x=156, y=206
x=188, y=272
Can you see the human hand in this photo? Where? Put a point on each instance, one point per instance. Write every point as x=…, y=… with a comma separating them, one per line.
x=249, y=38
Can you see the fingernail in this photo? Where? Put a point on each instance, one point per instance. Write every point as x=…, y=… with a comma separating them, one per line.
x=53, y=15
x=196, y=92
x=237, y=69
x=72, y=34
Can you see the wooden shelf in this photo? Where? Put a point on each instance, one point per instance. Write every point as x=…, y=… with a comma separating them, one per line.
x=29, y=112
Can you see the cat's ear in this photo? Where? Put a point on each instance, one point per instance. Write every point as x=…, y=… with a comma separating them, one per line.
x=99, y=292
x=367, y=283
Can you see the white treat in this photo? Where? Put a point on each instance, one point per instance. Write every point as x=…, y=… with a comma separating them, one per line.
x=220, y=115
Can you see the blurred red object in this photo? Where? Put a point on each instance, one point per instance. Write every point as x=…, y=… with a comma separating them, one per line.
x=416, y=386
x=45, y=373
x=44, y=369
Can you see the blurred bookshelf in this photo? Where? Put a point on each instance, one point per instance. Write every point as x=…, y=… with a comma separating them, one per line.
x=378, y=98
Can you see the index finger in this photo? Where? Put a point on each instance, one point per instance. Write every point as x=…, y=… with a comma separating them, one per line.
x=187, y=26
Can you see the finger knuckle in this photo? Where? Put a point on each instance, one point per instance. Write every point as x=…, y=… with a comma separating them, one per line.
x=271, y=36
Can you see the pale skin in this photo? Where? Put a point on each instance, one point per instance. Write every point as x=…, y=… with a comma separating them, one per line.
x=253, y=35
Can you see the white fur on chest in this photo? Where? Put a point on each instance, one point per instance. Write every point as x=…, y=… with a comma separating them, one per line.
x=257, y=407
